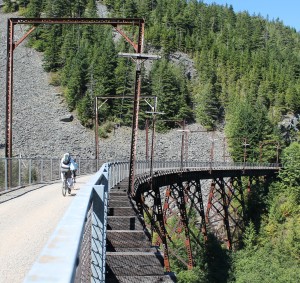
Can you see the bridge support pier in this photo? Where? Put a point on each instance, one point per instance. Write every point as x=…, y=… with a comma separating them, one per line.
x=225, y=211
x=155, y=216
x=171, y=219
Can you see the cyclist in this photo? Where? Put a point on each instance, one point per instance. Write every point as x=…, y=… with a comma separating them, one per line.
x=68, y=166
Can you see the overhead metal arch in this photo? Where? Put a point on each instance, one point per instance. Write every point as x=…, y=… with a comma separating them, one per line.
x=116, y=23
x=12, y=45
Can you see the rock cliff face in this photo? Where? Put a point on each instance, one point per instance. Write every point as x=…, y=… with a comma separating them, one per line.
x=40, y=127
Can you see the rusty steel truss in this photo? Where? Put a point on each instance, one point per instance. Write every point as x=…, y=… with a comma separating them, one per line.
x=225, y=211
x=181, y=208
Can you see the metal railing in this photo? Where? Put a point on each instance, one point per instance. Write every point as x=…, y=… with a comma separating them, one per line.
x=29, y=171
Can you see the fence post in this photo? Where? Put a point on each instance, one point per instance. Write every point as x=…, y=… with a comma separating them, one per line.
x=5, y=168
x=79, y=166
x=57, y=162
x=19, y=172
x=51, y=173
x=42, y=163
x=29, y=173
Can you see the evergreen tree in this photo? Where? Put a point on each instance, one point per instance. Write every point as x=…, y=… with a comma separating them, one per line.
x=58, y=8
x=206, y=105
x=247, y=121
x=79, y=6
x=167, y=86
x=104, y=62
x=22, y=4
x=10, y=6
x=292, y=98
x=86, y=111
x=35, y=8
x=52, y=59
x=76, y=85
x=91, y=9
x=130, y=9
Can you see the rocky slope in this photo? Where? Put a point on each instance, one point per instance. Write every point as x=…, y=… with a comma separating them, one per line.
x=39, y=110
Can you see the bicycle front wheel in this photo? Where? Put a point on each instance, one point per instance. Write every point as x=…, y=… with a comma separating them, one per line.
x=64, y=187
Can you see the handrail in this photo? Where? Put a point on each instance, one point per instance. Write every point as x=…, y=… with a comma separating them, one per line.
x=27, y=171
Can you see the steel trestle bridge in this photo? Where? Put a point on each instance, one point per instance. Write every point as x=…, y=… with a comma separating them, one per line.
x=122, y=234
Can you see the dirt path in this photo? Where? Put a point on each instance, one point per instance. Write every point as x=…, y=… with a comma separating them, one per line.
x=26, y=223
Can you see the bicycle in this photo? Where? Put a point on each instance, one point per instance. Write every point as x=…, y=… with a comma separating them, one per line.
x=65, y=187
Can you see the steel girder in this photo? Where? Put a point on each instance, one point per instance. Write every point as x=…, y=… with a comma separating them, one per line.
x=154, y=214
x=170, y=213
x=135, y=119
x=225, y=213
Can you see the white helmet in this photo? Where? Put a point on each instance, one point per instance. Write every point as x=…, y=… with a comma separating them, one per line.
x=66, y=157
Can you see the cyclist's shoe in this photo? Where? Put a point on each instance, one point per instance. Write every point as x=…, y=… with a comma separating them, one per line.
x=69, y=190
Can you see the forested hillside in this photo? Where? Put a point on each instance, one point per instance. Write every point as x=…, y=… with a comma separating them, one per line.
x=248, y=79
x=248, y=67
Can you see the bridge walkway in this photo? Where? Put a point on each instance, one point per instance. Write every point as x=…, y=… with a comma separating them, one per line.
x=129, y=254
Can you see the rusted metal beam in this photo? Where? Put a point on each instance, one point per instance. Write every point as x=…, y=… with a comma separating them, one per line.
x=160, y=219
x=224, y=204
x=9, y=80
x=23, y=37
x=181, y=203
x=134, y=45
x=9, y=100
x=96, y=21
x=136, y=105
x=196, y=199
x=11, y=45
x=156, y=218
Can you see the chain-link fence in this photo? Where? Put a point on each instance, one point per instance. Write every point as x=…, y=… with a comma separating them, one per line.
x=84, y=269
